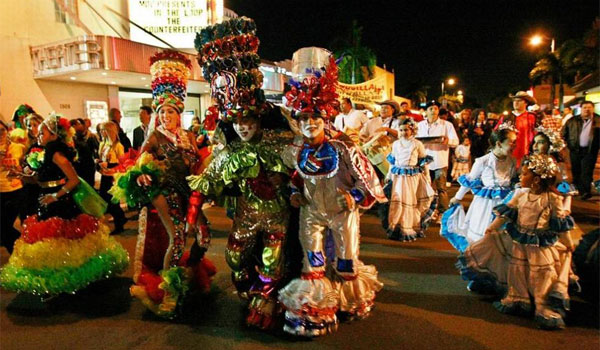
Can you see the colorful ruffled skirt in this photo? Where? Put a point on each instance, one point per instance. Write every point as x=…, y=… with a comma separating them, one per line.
x=59, y=255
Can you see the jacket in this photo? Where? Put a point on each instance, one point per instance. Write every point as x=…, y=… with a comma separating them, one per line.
x=570, y=133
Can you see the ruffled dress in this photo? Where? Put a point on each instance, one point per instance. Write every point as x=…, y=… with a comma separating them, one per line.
x=62, y=249
x=490, y=181
x=526, y=259
x=411, y=195
x=161, y=290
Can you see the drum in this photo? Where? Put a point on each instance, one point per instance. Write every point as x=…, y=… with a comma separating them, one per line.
x=377, y=150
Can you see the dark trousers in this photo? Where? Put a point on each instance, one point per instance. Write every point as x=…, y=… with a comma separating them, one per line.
x=438, y=182
x=113, y=209
x=11, y=206
x=582, y=169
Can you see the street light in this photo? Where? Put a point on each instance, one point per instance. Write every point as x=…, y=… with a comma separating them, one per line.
x=450, y=82
x=537, y=39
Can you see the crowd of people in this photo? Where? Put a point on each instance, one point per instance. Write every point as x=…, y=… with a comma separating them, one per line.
x=294, y=180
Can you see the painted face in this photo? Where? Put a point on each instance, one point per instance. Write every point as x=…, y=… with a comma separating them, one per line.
x=405, y=131
x=526, y=177
x=44, y=135
x=311, y=126
x=246, y=128
x=169, y=117
x=508, y=145
x=540, y=145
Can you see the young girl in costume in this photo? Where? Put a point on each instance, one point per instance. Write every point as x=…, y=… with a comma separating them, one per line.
x=490, y=181
x=536, y=220
x=163, y=274
x=110, y=151
x=462, y=163
x=411, y=188
x=61, y=249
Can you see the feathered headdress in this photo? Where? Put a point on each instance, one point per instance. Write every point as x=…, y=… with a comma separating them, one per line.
x=170, y=71
x=315, y=94
x=227, y=53
x=556, y=142
x=22, y=110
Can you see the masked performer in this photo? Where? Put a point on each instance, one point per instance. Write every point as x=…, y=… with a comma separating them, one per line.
x=333, y=180
x=248, y=176
x=163, y=274
x=65, y=246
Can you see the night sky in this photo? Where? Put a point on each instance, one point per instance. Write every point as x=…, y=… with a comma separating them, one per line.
x=482, y=43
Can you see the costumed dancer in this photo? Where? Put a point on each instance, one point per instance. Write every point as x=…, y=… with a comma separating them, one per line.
x=412, y=194
x=65, y=246
x=462, y=163
x=247, y=176
x=490, y=181
x=163, y=274
x=333, y=180
x=537, y=223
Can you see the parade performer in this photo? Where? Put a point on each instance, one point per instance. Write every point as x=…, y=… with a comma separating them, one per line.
x=333, y=180
x=247, y=176
x=490, y=181
x=462, y=163
x=163, y=275
x=409, y=212
x=523, y=122
x=536, y=221
x=65, y=246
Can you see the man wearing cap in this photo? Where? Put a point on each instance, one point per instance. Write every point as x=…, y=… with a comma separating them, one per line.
x=350, y=121
x=438, y=149
x=523, y=122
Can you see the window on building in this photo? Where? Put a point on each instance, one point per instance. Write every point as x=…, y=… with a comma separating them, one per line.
x=62, y=16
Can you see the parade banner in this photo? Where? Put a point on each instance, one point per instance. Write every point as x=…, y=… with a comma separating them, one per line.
x=369, y=92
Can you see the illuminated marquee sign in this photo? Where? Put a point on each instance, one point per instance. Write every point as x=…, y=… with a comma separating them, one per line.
x=174, y=21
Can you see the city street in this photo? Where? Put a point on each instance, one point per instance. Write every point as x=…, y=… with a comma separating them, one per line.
x=424, y=305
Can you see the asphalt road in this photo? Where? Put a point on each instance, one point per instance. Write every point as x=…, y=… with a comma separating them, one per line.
x=424, y=305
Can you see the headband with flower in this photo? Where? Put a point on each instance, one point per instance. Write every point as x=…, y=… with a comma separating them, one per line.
x=316, y=94
x=508, y=126
x=542, y=165
x=556, y=142
x=170, y=71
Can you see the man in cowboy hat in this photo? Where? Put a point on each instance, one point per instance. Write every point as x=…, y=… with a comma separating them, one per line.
x=388, y=121
x=522, y=121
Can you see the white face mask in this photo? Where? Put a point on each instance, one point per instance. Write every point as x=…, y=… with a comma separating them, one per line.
x=246, y=130
x=312, y=127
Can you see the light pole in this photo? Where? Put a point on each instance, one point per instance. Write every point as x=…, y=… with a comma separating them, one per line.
x=450, y=82
x=536, y=40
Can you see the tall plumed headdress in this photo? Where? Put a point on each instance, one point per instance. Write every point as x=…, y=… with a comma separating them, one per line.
x=542, y=165
x=227, y=53
x=170, y=71
x=556, y=142
x=316, y=93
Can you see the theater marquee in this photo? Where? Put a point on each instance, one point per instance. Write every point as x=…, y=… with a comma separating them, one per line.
x=174, y=21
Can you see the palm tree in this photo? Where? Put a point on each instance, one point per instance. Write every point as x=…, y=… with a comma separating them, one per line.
x=357, y=62
x=547, y=70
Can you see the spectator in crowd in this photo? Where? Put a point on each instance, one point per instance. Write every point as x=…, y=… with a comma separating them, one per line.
x=114, y=115
x=567, y=114
x=141, y=132
x=350, y=121
x=479, y=133
x=110, y=151
x=464, y=122
x=582, y=135
x=439, y=149
x=87, y=151
x=405, y=110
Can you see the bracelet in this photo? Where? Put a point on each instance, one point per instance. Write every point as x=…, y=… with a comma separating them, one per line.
x=65, y=190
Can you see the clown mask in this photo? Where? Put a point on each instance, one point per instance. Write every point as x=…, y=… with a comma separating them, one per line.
x=246, y=128
x=311, y=126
